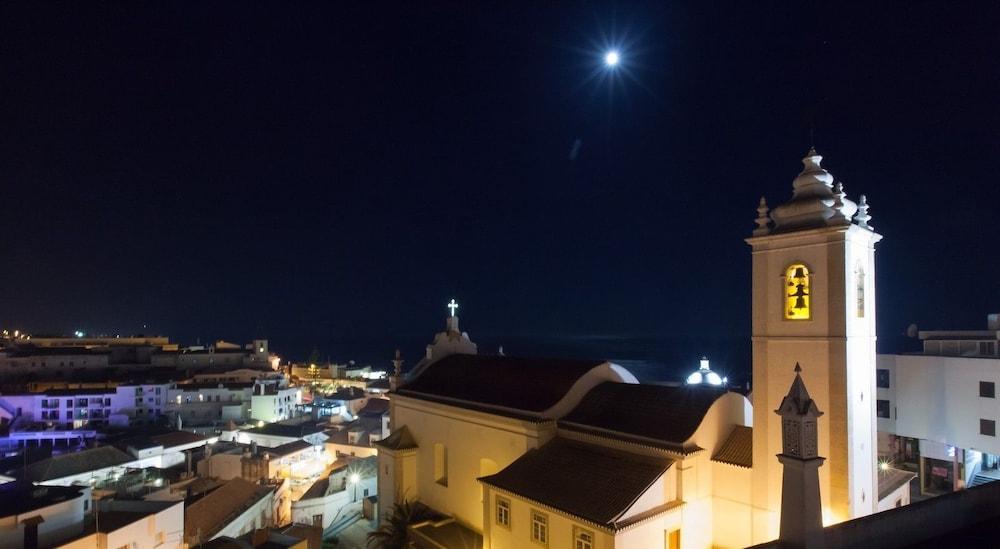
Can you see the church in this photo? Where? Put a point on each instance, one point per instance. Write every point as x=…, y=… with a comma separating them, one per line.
x=513, y=452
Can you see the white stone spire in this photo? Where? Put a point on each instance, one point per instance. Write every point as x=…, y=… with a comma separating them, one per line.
x=763, y=220
x=801, y=505
x=839, y=197
x=863, y=218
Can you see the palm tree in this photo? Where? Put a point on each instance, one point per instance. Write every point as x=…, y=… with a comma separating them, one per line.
x=392, y=534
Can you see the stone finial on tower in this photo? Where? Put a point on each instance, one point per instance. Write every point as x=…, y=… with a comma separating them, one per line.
x=801, y=507
x=863, y=218
x=838, y=217
x=397, y=371
x=763, y=220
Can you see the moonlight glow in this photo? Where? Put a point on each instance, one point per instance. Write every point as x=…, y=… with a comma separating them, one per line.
x=611, y=58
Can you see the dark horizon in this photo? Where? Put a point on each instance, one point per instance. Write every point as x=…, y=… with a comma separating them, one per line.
x=328, y=176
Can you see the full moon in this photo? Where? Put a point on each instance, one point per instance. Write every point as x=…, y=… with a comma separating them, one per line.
x=611, y=58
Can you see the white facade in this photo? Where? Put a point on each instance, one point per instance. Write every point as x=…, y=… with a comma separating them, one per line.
x=61, y=521
x=916, y=380
x=205, y=403
x=161, y=528
x=270, y=403
x=89, y=407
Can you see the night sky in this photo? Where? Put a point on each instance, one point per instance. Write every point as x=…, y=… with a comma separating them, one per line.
x=330, y=176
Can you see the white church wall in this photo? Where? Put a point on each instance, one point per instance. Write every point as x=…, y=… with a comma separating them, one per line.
x=731, y=511
x=663, y=491
x=561, y=527
x=466, y=437
x=654, y=532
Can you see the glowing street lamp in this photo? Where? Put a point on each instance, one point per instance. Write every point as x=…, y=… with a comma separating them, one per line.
x=354, y=479
x=611, y=58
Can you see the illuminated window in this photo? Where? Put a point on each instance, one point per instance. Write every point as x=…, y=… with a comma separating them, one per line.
x=798, y=294
x=503, y=512
x=860, y=282
x=539, y=528
x=583, y=539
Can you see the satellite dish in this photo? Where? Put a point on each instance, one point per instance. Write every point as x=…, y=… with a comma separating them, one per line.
x=912, y=331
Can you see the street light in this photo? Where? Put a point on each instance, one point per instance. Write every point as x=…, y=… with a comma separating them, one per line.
x=354, y=479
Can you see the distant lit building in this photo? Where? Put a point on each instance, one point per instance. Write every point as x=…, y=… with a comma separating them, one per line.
x=938, y=410
x=705, y=376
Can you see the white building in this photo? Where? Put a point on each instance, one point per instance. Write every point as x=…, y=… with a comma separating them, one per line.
x=327, y=498
x=237, y=507
x=199, y=404
x=134, y=524
x=952, y=444
x=41, y=516
x=275, y=401
x=80, y=408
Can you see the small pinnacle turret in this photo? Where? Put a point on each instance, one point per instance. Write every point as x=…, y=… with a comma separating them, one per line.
x=863, y=218
x=763, y=220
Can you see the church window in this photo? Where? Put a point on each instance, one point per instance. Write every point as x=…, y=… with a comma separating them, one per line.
x=860, y=282
x=798, y=293
x=441, y=464
x=539, y=528
x=583, y=539
x=503, y=512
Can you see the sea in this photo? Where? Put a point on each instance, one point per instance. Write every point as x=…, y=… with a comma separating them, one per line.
x=651, y=359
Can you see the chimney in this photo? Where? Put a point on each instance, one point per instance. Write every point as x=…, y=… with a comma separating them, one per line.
x=801, y=525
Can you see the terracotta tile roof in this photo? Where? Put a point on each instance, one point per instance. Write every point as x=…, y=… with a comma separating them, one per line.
x=891, y=479
x=177, y=438
x=77, y=463
x=284, y=430
x=666, y=415
x=527, y=384
x=21, y=497
x=592, y=482
x=288, y=448
x=375, y=407
x=213, y=512
x=738, y=448
x=400, y=439
x=445, y=533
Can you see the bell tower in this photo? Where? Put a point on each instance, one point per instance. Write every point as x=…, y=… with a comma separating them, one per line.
x=814, y=304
